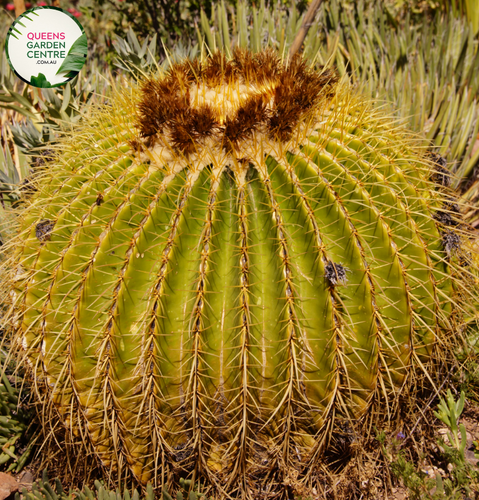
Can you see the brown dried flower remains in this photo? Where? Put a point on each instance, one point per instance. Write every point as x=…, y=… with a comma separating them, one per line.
x=278, y=97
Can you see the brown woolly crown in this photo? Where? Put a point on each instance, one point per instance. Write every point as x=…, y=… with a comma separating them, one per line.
x=230, y=99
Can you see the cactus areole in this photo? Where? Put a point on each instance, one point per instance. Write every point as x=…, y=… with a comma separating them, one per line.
x=224, y=259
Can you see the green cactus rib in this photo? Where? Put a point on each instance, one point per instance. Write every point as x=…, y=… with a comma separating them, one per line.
x=221, y=306
x=415, y=259
x=357, y=343
x=377, y=251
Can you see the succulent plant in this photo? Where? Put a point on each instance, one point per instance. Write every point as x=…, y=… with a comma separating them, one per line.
x=43, y=489
x=227, y=260
x=16, y=441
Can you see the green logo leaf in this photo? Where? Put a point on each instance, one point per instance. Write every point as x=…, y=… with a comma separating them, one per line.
x=40, y=81
x=75, y=59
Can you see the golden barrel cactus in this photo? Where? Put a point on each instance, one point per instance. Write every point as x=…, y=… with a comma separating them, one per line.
x=227, y=258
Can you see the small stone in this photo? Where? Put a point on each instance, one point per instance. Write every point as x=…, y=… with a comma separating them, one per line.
x=471, y=457
x=26, y=480
x=429, y=471
x=8, y=485
x=441, y=472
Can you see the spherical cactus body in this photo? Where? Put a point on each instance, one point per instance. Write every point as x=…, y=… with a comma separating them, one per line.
x=226, y=259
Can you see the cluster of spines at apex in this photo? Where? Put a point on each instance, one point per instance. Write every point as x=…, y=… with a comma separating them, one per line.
x=285, y=94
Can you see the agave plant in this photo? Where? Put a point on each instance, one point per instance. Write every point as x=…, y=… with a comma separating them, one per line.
x=15, y=432
x=44, y=489
x=233, y=257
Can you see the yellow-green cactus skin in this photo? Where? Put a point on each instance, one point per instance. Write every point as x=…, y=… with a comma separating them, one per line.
x=226, y=258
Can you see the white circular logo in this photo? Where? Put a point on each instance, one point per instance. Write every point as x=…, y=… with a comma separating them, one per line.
x=46, y=47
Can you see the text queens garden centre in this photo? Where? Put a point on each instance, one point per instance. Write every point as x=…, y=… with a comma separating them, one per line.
x=46, y=47
x=48, y=43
